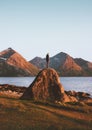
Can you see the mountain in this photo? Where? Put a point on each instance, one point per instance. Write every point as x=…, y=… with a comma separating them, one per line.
x=86, y=66
x=39, y=62
x=66, y=65
x=13, y=64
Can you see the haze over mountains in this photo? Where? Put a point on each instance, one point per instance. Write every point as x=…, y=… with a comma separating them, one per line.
x=14, y=64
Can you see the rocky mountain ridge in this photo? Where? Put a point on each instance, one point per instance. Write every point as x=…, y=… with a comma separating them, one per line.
x=66, y=65
x=13, y=64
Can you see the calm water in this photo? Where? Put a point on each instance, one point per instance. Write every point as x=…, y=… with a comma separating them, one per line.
x=83, y=84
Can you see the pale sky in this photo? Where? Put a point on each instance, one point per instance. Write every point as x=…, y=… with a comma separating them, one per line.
x=36, y=27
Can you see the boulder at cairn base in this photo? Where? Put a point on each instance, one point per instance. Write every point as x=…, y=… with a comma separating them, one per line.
x=46, y=86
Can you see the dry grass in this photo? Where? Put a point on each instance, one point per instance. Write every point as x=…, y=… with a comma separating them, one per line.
x=30, y=115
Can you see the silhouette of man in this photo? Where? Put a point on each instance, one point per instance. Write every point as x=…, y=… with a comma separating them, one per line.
x=47, y=60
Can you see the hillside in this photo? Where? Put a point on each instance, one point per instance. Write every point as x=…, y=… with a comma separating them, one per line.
x=13, y=64
x=62, y=63
x=65, y=65
x=16, y=114
x=86, y=65
x=30, y=115
x=39, y=62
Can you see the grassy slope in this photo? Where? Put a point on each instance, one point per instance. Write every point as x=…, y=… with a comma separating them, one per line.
x=28, y=115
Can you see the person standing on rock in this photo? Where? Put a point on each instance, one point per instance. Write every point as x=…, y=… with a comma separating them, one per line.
x=47, y=60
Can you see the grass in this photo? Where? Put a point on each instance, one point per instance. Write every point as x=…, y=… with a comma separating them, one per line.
x=32, y=115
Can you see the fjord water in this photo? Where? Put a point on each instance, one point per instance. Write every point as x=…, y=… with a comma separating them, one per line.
x=83, y=84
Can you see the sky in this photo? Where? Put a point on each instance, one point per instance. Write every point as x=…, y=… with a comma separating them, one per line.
x=37, y=27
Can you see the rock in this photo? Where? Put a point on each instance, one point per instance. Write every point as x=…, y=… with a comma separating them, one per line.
x=83, y=96
x=73, y=99
x=51, y=90
x=77, y=96
x=12, y=88
x=71, y=93
x=46, y=86
x=11, y=91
